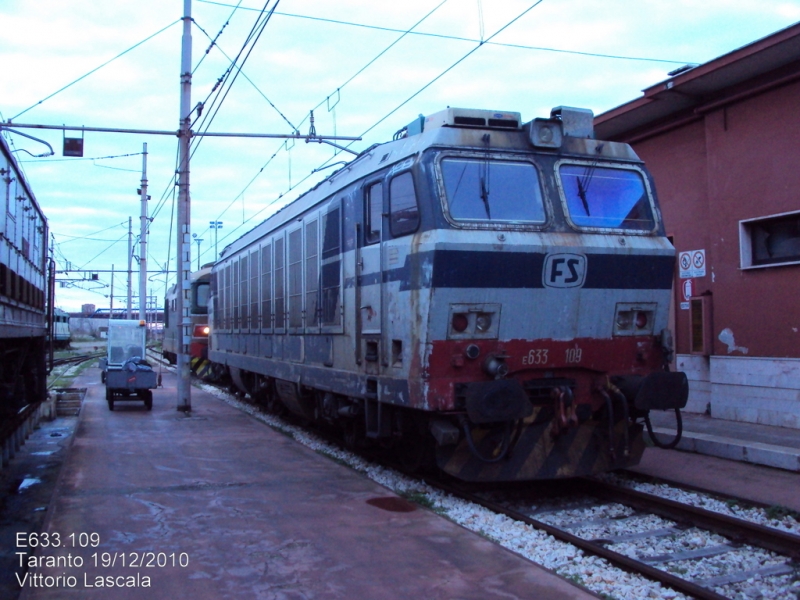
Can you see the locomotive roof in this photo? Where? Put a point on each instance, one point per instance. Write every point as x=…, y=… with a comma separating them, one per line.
x=12, y=161
x=450, y=128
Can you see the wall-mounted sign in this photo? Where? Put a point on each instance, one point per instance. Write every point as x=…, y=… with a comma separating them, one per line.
x=687, y=291
x=692, y=263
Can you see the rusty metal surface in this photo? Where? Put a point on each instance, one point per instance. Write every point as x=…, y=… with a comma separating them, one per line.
x=256, y=514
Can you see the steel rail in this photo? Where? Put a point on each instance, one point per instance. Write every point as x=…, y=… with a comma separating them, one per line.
x=736, y=529
x=620, y=560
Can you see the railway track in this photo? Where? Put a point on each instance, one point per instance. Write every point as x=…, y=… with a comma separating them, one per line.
x=574, y=528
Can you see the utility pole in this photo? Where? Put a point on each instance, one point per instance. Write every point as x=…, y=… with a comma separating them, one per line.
x=111, y=301
x=143, y=241
x=183, y=257
x=129, y=313
x=199, y=241
x=216, y=226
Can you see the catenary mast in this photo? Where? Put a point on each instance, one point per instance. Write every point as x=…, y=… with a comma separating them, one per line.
x=183, y=257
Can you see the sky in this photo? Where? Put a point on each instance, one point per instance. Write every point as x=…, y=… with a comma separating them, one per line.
x=365, y=68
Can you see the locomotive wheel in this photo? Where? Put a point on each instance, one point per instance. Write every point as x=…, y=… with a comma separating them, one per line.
x=352, y=434
x=411, y=453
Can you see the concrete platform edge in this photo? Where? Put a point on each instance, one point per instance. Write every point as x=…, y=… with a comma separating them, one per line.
x=758, y=453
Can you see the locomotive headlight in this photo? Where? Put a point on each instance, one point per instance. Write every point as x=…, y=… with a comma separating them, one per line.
x=483, y=322
x=201, y=330
x=624, y=320
x=634, y=319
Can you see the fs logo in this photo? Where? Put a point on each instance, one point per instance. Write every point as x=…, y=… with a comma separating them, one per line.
x=564, y=270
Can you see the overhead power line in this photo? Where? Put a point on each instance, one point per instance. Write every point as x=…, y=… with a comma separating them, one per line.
x=464, y=39
x=148, y=38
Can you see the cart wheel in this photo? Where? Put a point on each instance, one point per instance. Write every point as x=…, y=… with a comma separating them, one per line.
x=148, y=400
x=111, y=402
x=102, y=376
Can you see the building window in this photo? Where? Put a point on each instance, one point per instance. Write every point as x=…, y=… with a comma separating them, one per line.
x=770, y=241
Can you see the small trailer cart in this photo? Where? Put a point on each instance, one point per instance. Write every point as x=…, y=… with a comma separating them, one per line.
x=126, y=373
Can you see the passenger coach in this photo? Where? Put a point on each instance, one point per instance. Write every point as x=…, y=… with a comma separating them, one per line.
x=480, y=293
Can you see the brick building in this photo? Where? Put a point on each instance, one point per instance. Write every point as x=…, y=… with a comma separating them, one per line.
x=723, y=143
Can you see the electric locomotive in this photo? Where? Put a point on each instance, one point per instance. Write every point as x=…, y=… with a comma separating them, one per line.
x=482, y=295
x=199, y=363
x=24, y=291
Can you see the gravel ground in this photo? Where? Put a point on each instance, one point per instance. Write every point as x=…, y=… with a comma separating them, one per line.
x=776, y=518
x=594, y=573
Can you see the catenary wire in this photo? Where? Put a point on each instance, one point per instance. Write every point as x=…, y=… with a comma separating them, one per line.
x=147, y=39
x=464, y=39
x=274, y=201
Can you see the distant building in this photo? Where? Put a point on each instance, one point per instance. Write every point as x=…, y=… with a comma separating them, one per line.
x=723, y=143
x=87, y=309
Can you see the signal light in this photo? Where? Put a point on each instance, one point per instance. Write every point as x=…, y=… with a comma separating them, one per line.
x=460, y=322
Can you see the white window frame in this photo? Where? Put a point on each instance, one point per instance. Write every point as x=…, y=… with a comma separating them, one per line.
x=746, y=242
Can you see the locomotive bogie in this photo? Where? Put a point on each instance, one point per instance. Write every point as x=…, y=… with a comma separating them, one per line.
x=461, y=290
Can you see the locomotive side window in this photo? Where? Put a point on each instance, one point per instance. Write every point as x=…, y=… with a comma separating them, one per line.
x=254, y=317
x=266, y=285
x=226, y=282
x=233, y=298
x=280, y=293
x=492, y=190
x=373, y=211
x=312, y=274
x=331, y=268
x=403, y=209
x=244, y=314
x=295, y=278
x=606, y=197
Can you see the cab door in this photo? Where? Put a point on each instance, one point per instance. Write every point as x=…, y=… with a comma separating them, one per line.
x=369, y=276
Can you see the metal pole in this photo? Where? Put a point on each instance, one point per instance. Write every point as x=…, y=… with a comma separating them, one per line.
x=183, y=257
x=143, y=241
x=129, y=313
x=199, y=241
x=111, y=302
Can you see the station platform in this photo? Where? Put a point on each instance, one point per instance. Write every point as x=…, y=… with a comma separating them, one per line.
x=218, y=505
x=777, y=447
x=756, y=462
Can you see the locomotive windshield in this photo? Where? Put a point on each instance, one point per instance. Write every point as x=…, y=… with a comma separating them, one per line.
x=200, y=299
x=606, y=197
x=492, y=190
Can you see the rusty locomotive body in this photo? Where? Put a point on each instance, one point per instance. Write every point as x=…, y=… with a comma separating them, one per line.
x=482, y=294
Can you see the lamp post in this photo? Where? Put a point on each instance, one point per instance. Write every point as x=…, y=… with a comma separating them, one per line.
x=215, y=225
x=199, y=241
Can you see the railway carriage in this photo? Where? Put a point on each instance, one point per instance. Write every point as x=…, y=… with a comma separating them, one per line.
x=60, y=328
x=480, y=294
x=23, y=290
